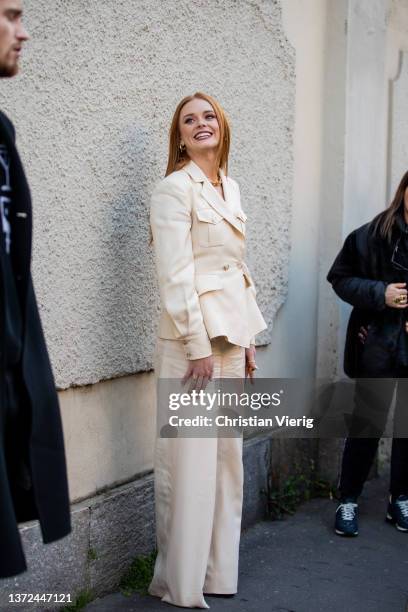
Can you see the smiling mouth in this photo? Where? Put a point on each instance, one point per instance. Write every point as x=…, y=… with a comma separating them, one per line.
x=203, y=135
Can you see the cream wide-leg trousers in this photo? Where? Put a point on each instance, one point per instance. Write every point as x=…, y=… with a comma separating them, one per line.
x=198, y=496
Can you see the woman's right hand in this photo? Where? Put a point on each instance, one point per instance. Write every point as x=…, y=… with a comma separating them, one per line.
x=200, y=371
x=396, y=291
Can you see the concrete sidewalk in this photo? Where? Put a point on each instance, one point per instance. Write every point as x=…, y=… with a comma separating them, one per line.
x=300, y=565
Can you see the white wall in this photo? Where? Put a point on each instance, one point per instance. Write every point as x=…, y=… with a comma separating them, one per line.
x=398, y=150
x=292, y=352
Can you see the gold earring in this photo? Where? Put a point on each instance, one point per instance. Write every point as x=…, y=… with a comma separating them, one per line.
x=182, y=147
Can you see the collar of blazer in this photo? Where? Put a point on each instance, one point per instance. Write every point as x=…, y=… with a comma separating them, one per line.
x=226, y=208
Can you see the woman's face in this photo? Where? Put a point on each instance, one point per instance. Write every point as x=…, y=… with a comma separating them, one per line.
x=198, y=126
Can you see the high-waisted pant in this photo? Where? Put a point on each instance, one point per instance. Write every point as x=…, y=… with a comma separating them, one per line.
x=198, y=496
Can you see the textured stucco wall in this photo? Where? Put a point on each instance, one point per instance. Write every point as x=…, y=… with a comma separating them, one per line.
x=92, y=108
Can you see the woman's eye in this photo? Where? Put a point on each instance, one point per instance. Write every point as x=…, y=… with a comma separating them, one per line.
x=189, y=120
x=210, y=117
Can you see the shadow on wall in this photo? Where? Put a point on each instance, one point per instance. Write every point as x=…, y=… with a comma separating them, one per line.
x=129, y=293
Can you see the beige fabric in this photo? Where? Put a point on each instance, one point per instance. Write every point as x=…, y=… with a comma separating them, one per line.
x=198, y=495
x=199, y=239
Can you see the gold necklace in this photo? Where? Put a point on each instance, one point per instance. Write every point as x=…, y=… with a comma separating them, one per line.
x=216, y=183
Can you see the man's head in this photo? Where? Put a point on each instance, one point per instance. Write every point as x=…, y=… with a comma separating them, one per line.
x=12, y=36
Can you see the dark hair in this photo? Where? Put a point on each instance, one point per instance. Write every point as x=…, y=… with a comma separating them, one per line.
x=385, y=221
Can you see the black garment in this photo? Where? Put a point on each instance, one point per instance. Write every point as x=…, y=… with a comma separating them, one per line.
x=366, y=264
x=359, y=275
x=373, y=398
x=15, y=472
x=14, y=326
x=400, y=261
x=33, y=479
x=358, y=457
x=13, y=342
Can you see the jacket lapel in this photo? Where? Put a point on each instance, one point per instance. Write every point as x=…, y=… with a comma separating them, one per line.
x=224, y=208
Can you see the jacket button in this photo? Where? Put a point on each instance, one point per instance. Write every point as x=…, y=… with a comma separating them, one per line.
x=226, y=267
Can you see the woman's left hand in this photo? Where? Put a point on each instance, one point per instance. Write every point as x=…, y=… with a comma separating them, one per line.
x=250, y=365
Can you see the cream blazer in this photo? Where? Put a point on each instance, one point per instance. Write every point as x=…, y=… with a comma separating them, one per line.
x=199, y=240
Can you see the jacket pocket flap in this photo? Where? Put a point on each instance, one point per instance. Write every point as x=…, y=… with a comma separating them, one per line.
x=208, y=215
x=207, y=282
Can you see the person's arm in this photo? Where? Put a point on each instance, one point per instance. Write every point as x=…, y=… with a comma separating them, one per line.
x=344, y=277
x=170, y=220
x=361, y=292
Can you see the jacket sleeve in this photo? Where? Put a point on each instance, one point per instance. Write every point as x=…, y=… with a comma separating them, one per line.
x=252, y=287
x=170, y=221
x=348, y=282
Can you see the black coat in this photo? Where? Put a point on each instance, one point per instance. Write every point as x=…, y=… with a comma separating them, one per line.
x=47, y=498
x=359, y=275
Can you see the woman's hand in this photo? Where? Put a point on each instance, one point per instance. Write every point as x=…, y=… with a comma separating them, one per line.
x=200, y=371
x=396, y=295
x=250, y=365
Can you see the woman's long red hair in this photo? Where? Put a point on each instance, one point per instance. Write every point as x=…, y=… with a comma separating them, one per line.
x=178, y=159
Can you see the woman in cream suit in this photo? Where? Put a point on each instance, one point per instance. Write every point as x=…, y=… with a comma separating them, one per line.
x=207, y=330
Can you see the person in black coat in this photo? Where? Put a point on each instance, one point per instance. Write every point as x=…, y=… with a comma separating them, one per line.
x=371, y=274
x=33, y=478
